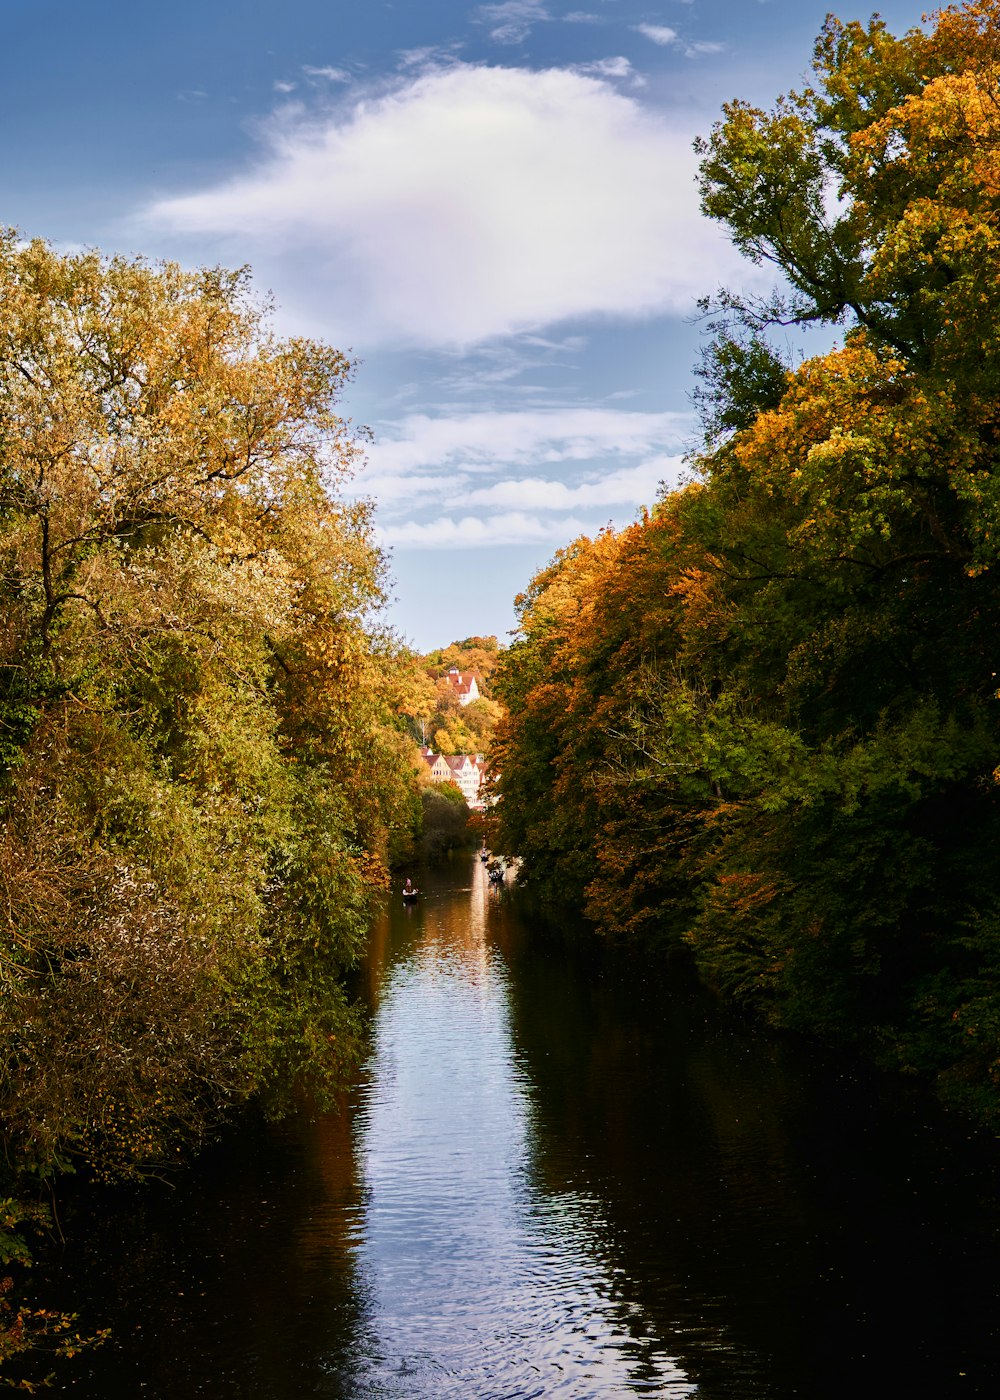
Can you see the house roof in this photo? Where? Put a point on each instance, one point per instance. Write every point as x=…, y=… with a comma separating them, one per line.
x=462, y=681
x=455, y=761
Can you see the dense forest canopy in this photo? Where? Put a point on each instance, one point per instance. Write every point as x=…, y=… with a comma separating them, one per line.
x=203, y=777
x=763, y=720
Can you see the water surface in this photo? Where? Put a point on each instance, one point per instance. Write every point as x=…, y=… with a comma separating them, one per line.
x=560, y=1175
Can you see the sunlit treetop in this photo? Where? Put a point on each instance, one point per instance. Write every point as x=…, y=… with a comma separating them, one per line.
x=874, y=192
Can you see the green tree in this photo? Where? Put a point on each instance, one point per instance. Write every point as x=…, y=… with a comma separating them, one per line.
x=445, y=821
x=203, y=772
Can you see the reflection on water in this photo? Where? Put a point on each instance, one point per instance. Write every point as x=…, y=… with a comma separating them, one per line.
x=478, y=1281
x=553, y=1180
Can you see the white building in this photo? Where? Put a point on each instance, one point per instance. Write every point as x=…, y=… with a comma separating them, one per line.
x=465, y=770
x=464, y=682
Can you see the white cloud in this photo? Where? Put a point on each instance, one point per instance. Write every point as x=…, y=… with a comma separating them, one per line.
x=399, y=493
x=498, y=441
x=465, y=204
x=284, y=87
x=518, y=477
x=659, y=33
x=569, y=344
x=478, y=532
x=429, y=56
x=629, y=486
x=666, y=37
x=607, y=67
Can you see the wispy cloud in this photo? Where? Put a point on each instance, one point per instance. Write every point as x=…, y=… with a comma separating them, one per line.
x=628, y=486
x=331, y=75
x=607, y=68
x=512, y=20
x=465, y=204
x=659, y=33
x=429, y=56
x=479, y=532
x=666, y=37
x=528, y=437
x=516, y=362
x=522, y=477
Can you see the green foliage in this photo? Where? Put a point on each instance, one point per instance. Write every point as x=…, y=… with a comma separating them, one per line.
x=14, y=1216
x=740, y=377
x=204, y=773
x=446, y=822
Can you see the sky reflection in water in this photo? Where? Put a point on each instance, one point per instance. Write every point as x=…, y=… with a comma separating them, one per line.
x=478, y=1281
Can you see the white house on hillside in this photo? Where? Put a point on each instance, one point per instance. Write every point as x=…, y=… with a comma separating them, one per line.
x=464, y=682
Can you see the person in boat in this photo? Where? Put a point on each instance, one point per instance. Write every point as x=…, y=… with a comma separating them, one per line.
x=409, y=890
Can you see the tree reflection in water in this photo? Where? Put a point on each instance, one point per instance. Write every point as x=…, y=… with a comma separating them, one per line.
x=560, y=1175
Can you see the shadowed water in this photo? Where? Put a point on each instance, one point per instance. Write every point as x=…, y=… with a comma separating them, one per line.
x=555, y=1178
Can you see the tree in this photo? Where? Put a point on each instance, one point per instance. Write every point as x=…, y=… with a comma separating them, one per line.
x=432, y=705
x=445, y=821
x=478, y=654
x=764, y=721
x=192, y=698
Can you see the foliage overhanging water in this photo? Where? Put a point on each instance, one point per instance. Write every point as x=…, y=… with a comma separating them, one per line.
x=554, y=1180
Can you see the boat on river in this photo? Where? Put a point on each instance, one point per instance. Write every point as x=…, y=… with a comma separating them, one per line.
x=410, y=894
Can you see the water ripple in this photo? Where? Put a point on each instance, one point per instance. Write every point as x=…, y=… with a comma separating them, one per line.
x=480, y=1282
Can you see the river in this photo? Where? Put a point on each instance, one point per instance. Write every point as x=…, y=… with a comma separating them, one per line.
x=558, y=1176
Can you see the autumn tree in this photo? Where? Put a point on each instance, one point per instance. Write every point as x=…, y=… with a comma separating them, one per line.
x=437, y=717
x=480, y=655
x=872, y=483
x=194, y=698
x=764, y=720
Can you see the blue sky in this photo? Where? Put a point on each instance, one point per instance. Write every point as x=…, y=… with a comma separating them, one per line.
x=491, y=205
